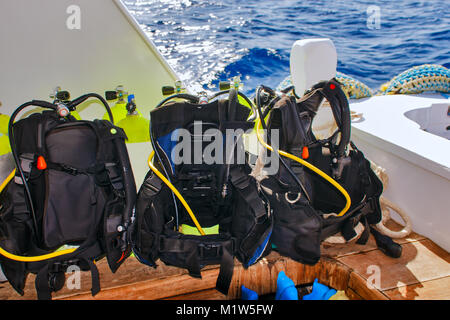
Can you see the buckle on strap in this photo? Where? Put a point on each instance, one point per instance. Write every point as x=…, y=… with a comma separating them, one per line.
x=369, y=206
x=68, y=169
x=26, y=162
x=57, y=267
x=209, y=250
x=153, y=184
x=239, y=179
x=114, y=175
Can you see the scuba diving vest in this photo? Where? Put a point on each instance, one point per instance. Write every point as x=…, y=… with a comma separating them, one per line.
x=70, y=201
x=220, y=198
x=325, y=186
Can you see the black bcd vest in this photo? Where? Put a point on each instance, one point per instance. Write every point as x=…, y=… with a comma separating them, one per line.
x=82, y=190
x=221, y=196
x=303, y=216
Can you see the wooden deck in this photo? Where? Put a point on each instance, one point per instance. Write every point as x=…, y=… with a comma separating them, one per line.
x=423, y=272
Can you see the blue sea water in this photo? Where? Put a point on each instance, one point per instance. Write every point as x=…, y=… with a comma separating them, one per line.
x=207, y=41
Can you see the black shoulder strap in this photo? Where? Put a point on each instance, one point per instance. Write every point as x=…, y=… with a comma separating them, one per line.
x=241, y=181
x=341, y=111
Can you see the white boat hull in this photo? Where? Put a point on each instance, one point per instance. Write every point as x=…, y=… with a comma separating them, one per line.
x=82, y=46
x=417, y=162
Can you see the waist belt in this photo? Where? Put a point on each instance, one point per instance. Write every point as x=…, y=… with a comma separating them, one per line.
x=195, y=253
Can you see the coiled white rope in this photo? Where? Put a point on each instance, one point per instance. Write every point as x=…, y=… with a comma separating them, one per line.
x=387, y=206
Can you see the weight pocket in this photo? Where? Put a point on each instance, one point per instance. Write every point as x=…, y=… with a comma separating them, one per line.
x=72, y=209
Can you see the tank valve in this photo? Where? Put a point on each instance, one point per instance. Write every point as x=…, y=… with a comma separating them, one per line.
x=119, y=93
x=59, y=95
x=62, y=110
x=203, y=98
x=177, y=89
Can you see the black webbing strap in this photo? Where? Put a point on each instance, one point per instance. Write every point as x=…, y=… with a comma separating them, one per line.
x=42, y=284
x=105, y=174
x=241, y=182
x=366, y=233
x=196, y=254
x=348, y=228
x=115, y=177
x=226, y=272
x=95, y=277
x=75, y=171
x=222, y=108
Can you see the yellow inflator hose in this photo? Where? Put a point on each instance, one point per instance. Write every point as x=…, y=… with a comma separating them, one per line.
x=11, y=256
x=309, y=166
x=176, y=192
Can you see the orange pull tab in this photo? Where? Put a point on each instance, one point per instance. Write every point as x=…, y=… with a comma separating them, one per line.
x=305, y=152
x=41, y=163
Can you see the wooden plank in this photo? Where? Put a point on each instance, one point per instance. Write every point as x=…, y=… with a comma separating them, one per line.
x=420, y=261
x=359, y=285
x=438, y=289
x=329, y=272
x=352, y=295
x=130, y=272
x=260, y=277
x=155, y=289
x=211, y=294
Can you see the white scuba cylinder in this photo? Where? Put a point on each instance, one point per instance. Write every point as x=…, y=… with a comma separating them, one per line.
x=312, y=61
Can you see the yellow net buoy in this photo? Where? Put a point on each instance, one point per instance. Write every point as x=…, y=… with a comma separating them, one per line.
x=427, y=77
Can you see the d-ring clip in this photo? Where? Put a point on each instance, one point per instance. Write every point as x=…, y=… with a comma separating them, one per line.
x=286, y=196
